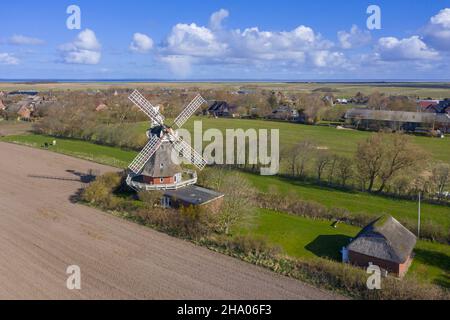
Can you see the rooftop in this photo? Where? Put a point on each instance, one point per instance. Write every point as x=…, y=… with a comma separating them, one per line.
x=386, y=239
x=194, y=195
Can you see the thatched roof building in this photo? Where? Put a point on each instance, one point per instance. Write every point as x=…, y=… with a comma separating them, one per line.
x=384, y=242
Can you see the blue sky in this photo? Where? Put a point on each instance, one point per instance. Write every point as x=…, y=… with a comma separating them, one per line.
x=213, y=39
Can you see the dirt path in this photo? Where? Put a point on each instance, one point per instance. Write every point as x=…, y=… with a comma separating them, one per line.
x=42, y=232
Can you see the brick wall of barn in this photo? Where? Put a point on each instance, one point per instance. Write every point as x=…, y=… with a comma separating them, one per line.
x=363, y=260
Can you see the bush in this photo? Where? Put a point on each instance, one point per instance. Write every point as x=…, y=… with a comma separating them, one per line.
x=189, y=222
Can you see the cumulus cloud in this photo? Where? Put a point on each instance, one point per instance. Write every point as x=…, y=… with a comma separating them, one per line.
x=189, y=44
x=215, y=22
x=9, y=59
x=141, y=43
x=85, y=49
x=437, y=31
x=24, y=40
x=193, y=40
x=354, y=39
x=413, y=48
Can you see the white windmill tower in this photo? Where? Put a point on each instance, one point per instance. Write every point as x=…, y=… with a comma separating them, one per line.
x=153, y=168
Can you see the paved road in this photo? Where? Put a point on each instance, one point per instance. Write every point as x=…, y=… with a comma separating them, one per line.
x=42, y=232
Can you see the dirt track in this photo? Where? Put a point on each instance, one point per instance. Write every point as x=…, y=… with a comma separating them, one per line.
x=42, y=232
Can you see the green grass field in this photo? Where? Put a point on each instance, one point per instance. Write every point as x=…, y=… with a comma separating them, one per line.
x=343, y=142
x=355, y=202
x=81, y=149
x=297, y=236
x=308, y=239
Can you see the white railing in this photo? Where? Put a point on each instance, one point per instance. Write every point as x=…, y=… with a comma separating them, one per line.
x=172, y=186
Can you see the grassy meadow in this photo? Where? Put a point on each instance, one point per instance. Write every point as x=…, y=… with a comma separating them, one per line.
x=343, y=142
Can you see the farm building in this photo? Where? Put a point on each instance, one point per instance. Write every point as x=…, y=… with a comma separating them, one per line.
x=24, y=92
x=385, y=243
x=221, y=109
x=397, y=120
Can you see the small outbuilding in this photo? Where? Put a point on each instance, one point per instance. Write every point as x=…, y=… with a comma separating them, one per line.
x=192, y=196
x=386, y=243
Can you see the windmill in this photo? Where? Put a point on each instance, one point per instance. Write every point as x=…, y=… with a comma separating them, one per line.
x=153, y=168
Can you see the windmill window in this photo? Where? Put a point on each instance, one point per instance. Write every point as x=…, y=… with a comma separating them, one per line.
x=161, y=165
x=161, y=180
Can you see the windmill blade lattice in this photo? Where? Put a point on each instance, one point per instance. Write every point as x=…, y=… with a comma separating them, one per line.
x=146, y=153
x=182, y=148
x=189, y=111
x=139, y=100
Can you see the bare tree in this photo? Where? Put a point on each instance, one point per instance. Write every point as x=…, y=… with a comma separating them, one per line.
x=441, y=178
x=322, y=161
x=344, y=170
x=382, y=156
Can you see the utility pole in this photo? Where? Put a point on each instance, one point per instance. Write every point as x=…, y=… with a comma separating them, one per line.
x=418, y=221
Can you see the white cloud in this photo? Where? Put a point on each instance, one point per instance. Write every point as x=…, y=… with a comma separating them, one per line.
x=413, y=48
x=24, y=40
x=9, y=59
x=141, y=43
x=215, y=22
x=189, y=44
x=193, y=40
x=437, y=32
x=355, y=38
x=85, y=49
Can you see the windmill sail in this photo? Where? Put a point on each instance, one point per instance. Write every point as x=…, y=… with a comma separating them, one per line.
x=188, y=152
x=146, y=107
x=146, y=153
x=189, y=111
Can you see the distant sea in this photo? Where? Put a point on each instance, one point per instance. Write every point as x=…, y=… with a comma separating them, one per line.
x=361, y=81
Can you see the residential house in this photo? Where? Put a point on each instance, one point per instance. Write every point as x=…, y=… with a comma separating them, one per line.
x=385, y=243
x=424, y=104
x=285, y=113
x=441, y=107
x=222, y=109
x=24, y=112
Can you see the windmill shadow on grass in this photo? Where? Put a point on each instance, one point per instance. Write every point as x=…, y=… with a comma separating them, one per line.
x=328, y=246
